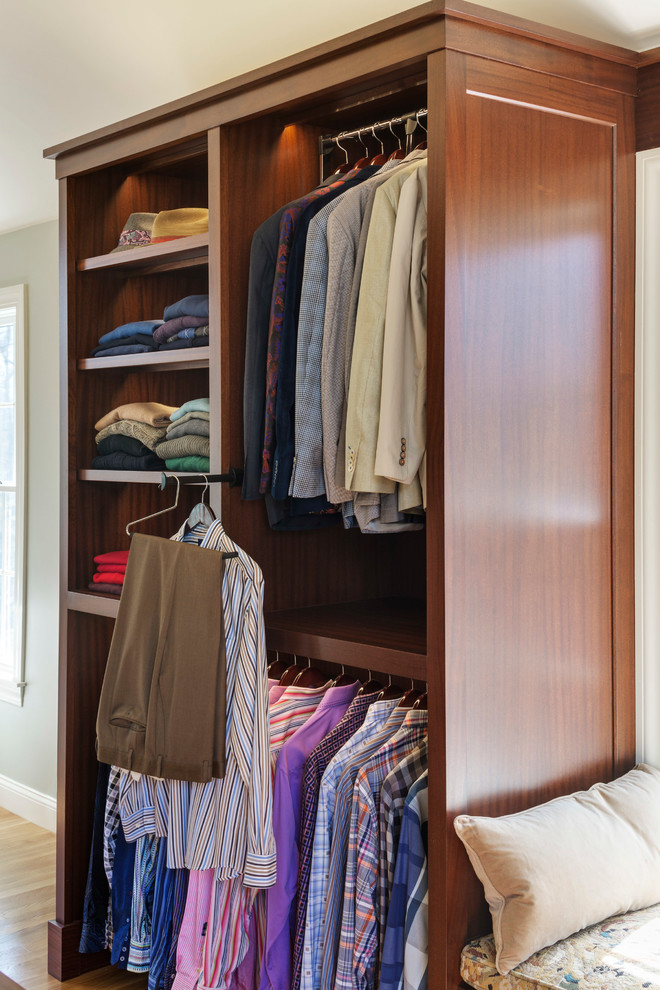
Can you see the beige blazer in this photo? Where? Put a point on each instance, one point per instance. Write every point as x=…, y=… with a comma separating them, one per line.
x=364, y=393
x=402, y=418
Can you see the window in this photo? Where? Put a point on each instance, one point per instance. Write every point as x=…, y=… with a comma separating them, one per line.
x=12, y=492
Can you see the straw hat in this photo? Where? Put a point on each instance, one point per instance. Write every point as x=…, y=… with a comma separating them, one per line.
x=170, y=224
x=136, y=232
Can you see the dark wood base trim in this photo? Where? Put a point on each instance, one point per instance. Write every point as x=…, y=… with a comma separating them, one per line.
x=64, y=960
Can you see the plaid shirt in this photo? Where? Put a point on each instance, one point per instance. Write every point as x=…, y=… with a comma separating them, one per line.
x=315, y=766
x=393, y=795
x=319, y=878
x=340, y=838
x=406, y=944
x=359, y=939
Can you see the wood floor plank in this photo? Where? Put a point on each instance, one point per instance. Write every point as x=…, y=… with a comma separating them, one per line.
x=27, y=903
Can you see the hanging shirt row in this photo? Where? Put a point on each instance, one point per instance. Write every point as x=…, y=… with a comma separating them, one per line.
x=335, y=370
x=268, y=848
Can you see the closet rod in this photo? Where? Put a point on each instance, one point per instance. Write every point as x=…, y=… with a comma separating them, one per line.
x=233, y=477
x=330, y=140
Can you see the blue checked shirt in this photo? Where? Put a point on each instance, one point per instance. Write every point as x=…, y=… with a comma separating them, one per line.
x=393, y=795
x=339, y=846
x=406, y=945
x=319, y=877
x=359, y=939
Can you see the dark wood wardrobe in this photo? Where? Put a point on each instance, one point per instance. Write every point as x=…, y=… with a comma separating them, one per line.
x=515, y=604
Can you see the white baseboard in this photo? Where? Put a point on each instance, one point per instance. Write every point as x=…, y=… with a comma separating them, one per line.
x=40, y=809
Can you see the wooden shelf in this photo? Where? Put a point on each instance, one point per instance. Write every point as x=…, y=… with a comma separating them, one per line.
x=185, y=252
x=195, y=358
x=92, y=603
x=386, y=635
x=134, y=477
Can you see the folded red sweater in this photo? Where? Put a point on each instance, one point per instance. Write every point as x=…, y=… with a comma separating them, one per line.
x=108, y=577
x=113, y=557
x=117, y=568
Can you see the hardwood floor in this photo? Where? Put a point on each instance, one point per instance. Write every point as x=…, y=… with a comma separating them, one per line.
x=27, y=903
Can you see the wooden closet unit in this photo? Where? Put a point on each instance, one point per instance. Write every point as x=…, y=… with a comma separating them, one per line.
x=515, y=604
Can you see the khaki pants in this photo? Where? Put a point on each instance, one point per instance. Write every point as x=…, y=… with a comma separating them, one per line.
x=162, y=706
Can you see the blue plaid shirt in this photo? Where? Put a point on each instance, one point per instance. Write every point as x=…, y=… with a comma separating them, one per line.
x=404, y=964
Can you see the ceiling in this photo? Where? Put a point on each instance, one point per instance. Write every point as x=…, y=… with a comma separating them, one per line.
x=72, y=66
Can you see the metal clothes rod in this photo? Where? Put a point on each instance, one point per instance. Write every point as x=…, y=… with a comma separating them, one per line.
x=233, y=477
x=327, y=142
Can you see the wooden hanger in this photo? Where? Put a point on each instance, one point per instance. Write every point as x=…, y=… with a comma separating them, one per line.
x=276, y=667
x=291, y=672
x=422, y=703
x=343, y=679
x=390, y=692
x=310, y=677
x=370, y=686
x=409, y=698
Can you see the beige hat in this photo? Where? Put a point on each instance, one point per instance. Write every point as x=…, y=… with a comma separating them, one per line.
x=170, y=224
x=136, y=232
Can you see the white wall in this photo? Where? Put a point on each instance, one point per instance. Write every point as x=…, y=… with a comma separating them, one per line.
x=28, y=734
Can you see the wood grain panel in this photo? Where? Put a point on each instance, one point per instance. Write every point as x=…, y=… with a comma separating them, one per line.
x=647, y=107
x=82, y=670
x=529, y=327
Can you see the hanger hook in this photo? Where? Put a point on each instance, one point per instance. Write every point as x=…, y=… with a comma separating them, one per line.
x=376, y=138
x=341, y=146
x=362, y=141
x=417, y=116
x=206, y=487
x=393, y=132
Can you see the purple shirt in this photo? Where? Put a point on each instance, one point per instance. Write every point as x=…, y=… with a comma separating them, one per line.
x=287, y=807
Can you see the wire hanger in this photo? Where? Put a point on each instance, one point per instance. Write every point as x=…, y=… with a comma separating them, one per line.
x=381, y=157
x=201, y=512
x=399, y=152
x=152, y=515
x=345, y=166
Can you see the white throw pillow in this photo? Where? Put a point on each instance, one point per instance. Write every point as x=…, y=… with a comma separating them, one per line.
x=572, y=862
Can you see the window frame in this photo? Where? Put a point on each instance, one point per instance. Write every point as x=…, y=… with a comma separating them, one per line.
x=12, y=684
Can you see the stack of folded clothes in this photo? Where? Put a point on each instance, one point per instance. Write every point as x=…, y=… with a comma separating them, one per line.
x=186, y=324
x=128, y=436
x=185, y=446
x=110, y=571
x=129, y=338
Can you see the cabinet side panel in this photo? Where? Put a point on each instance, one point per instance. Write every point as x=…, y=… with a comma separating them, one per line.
x=530, y=655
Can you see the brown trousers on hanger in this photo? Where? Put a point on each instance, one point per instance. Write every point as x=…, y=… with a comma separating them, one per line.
x=162, y=706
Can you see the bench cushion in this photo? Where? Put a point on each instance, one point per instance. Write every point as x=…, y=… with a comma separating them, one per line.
x=622, y=953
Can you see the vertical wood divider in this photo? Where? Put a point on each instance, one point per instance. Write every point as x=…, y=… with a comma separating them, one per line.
x=215, y=316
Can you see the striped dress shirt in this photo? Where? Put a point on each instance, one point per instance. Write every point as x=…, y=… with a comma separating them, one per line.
x=227, y=824
x=339, y=847
x=190, y=944
x=290, y=712
x=406, y=945
x=315, y=767
x=393, y=795
x=144, y=879
x=319, y=876
x=359, y=939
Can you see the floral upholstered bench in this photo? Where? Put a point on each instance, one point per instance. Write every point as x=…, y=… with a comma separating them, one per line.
x=622, y=953
x=573, y=888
